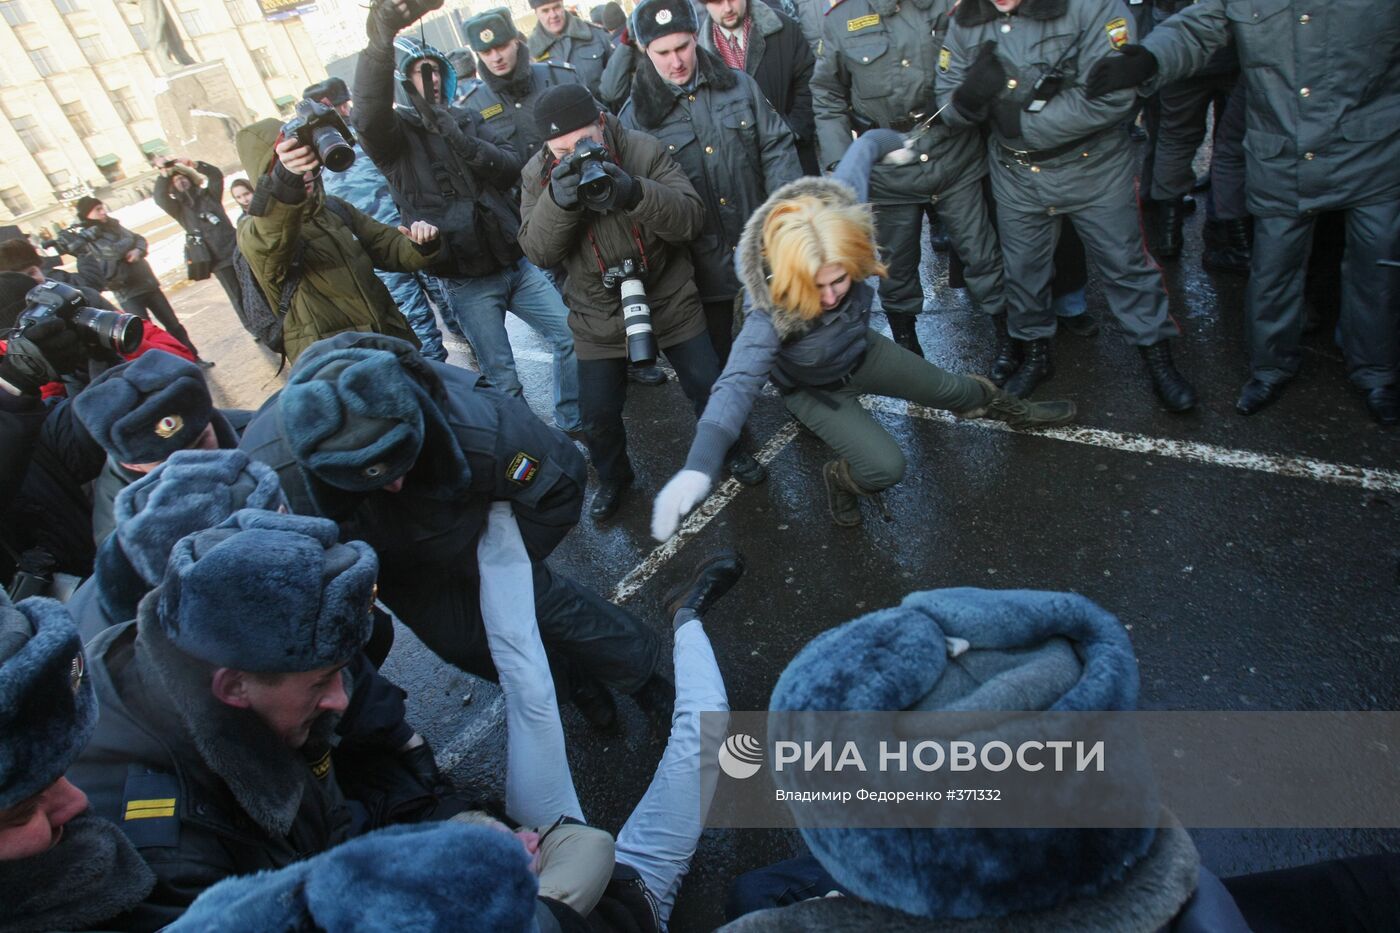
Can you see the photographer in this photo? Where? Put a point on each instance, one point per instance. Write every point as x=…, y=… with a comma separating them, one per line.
x=447, y=167
x=199, y=209
x=647, y=218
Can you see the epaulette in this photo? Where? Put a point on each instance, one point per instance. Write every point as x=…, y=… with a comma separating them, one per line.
x=148, y=808
x=565, y=65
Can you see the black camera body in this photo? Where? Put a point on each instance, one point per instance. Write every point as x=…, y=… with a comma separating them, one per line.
x=110, y=330
x=626, y=277
x=595, y=186
x=74, y=241
x=324, y=130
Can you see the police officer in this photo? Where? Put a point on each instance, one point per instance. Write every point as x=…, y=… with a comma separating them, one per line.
x=510, y=82
x=1016, y=65
x=1323, y=83
x=728, y=139
x=560, y=36
x=875, y=68
x=463, y=62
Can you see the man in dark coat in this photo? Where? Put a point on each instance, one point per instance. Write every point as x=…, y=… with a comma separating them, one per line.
x=199, y=209
x=560, y=36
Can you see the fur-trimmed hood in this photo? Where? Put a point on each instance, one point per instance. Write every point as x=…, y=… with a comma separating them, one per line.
x=653, y=97
x=753, y=268
x=977, y=12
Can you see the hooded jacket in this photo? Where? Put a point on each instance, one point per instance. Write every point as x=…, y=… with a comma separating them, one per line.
x=458, y=184
x=582, y=45
x=338, y=291
x=200, y=209
x=669, y=216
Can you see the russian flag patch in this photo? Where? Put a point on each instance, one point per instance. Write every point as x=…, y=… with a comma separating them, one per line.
x=522, y=469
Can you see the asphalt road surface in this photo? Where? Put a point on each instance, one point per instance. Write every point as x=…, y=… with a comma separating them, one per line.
x=1255, y=561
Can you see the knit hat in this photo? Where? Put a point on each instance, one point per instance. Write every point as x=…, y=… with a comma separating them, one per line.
x=489, y=30
x=332, y=89
x=47, y=705
x=424, y=877
x=145, y=410
x=85, y=205
x=191, y=491
x=309, y=597
x=970, y=650
x=463, y=62
x=653, y=19
x=613, y=16
x=563, y=109
x=353, y=418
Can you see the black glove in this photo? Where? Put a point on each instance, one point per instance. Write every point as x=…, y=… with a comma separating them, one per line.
x=983, y=82
x=41, y=354
x=1006, y=119
x=1130, y=67
x=385, y=20
x=626, y=192
x=419, y=760
x=563, y=186
x=439, y=119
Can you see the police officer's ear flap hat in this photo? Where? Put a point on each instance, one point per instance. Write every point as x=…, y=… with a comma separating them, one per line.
x=418, y=877
x=563, y=109
x=332, y=89
x=970, y=650
x=145, y=410
x=653, y=19
x=489, y=30
x=268, y=593
x=191, y=491
x=47, y=706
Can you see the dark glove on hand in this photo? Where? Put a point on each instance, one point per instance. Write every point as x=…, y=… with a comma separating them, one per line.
x=1006, y=119
x=983, y=81
x=46, y=350
x=438, y=118
x=563, y=186
x=420, y=762
x=1130, y=67
x=626, y=193
x=386, y=19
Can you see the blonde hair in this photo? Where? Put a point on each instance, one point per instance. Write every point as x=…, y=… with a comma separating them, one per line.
x=802, y=234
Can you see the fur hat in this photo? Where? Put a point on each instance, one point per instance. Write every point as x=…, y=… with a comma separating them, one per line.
x=428, y=878
x=563, y=109
x=332, y=89
x=968, y=650
x=310, y=597
x=489, y=30
x=47, y=705
x=613, y=16
x=191, y=491
x=653, y=19
x=85, y=205
x=145, y=410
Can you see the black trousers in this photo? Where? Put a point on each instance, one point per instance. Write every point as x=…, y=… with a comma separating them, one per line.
x=602, y=386
x=719, y=323
x=228, y=278
x=155, y=303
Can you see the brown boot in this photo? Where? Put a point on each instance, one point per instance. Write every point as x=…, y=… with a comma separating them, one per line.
x=842, y=493
x=1017, y=412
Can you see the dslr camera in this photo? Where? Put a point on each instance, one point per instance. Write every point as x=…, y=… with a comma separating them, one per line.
x=626, y=277
x=595, y=186
x=109, y=330
x=323, y=129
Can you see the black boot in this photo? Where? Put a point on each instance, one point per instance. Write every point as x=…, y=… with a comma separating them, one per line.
x=1037, y=367
x=1257, y=394
x=1171, y=386
x=646, y=375
x=1383, y=402
x=714, y=577
x=607, y=498
x=1008, y=358
x=1228, y=245
x=595, y=703
x=902, y=327
x=1166, y=228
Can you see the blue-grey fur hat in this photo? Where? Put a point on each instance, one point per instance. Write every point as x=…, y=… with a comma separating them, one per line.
x=968, y=650
x=269, y=593
x=353, y=418
x=489, y=30
x=431, y=878
x=47, y=705
x=191, y=491
x=145, y=410
x=652, y=19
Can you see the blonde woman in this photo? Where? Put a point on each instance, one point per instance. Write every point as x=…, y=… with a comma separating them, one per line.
x=803, y=260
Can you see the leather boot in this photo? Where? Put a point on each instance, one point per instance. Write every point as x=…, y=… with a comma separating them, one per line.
x=714, y=577
x=1166, y=228
x=1038, y=366
x=1169, y=384
x=1228, y=245
x=902, y=327
x=1008, y=358
x=1003, y=406
x=842, y=493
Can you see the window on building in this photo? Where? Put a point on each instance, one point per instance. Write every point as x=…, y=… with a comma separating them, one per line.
x=112, y=171
x=92, y=48
x=16, y=202
x=124, y=102
x=193, y=22
x=263, y=62
x=67, y=6
x=238, y=11
x=61, y=178
x=44, y=61
x=14, y=12
x=78, y=116
x=138, y=32
x=27, y=129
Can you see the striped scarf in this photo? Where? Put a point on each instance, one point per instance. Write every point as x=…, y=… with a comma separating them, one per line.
x=729, y=50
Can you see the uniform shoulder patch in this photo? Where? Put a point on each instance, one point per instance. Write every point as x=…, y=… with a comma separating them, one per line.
x=542, y=57
x=522, y=469
x=945, y=58
x=495, y=110
x=148, y=809
x=862, y=22
x=1117, y=30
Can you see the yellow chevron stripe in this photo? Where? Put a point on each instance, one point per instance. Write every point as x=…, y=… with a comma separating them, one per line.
x=145, y=809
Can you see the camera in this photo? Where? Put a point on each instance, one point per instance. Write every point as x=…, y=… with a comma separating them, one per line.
x=595, y=186
x=111, y=330
x=323, y=129
x=626, y=277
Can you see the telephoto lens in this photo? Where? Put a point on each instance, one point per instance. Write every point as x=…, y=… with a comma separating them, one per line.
x=636, y=320
x=115, y=330
x=332, y=148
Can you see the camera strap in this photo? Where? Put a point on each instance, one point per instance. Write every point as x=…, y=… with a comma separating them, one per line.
x=636, y=240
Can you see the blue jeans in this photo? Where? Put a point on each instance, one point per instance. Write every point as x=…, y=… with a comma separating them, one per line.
x=479, y=305
x=408, y=293
x=779, y=885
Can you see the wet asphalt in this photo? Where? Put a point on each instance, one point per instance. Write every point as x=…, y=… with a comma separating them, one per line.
x=1242, y=589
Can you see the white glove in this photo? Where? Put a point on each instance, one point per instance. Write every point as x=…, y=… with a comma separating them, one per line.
x=676, y=498
x=901, y=156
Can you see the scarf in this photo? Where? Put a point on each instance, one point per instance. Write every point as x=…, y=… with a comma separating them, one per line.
x=729, y=50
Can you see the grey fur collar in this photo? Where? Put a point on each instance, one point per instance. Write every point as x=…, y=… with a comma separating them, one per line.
x=653, y=98
x=753, y=269
x=266, y=777
x=977, y=12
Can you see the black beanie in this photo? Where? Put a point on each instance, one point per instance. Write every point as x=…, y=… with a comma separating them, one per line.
x=563, y=109
x=653, y=19
x=86, y=204
x=613, y=16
